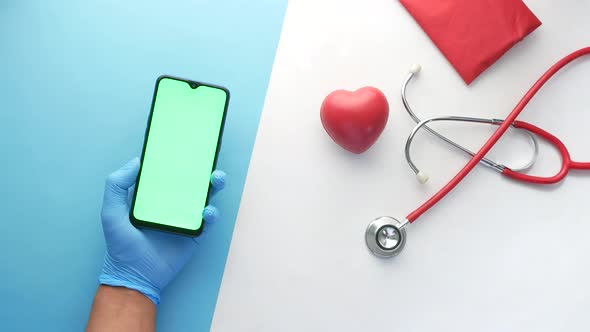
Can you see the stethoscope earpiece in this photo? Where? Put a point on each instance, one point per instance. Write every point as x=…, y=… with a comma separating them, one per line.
x=415, y=68
x=422, y=177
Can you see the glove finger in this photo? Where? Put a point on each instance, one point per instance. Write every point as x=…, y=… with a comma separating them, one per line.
x=217, y=181
x=210, y=214
x=117, y=187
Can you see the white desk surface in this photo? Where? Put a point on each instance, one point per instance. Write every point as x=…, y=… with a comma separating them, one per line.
x=495, y=255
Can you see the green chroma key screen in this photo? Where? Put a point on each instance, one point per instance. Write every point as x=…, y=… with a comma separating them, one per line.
x=179, y=155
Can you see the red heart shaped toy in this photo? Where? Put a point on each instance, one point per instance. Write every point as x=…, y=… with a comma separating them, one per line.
x=355, y=119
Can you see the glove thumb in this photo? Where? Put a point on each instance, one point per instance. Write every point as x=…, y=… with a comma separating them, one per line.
x=118, y=184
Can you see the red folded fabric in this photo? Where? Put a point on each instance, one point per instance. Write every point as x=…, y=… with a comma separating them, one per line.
x=473, y=34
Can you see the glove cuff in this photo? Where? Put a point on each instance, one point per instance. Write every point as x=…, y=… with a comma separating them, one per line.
x=113, y=275
x=150, y=293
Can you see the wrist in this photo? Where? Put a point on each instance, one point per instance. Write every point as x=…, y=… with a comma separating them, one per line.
x=121, y=309
x=120, y=297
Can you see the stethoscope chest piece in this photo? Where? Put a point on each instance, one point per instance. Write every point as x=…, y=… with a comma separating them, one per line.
x=385, y=237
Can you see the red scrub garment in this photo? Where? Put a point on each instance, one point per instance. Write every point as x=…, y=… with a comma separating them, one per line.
x=473, y=34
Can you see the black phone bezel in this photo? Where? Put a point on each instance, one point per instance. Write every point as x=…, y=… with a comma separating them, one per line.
x=162, y=227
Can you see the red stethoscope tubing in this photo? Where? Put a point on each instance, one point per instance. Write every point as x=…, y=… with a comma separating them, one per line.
x=567, y=163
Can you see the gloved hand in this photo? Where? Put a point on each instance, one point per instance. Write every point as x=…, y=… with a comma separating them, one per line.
x=141, y=259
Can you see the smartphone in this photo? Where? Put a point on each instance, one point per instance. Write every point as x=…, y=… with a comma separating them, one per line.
x=180, y=151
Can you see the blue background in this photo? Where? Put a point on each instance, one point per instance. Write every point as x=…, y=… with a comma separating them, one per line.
x=76, y=82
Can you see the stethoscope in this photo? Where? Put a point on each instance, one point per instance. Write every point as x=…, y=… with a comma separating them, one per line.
x=386, y=236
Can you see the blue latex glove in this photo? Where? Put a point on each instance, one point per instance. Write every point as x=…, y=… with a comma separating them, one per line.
x=141, y=259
